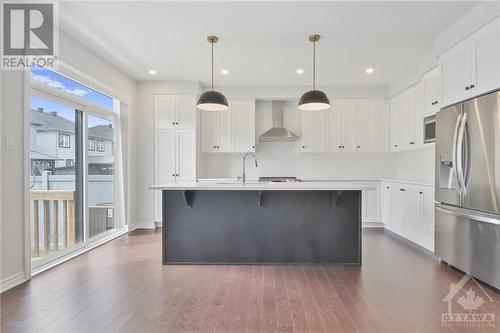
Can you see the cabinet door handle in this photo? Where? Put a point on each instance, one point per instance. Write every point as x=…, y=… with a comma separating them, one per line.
x=420, y=192
x=412, y=143
x=467, y=88
x=395, y=145
x=402, y=189
x=173, y=175
x=387, y=187
x=303, y=146
x=359, y=147
x=436, y=102
x=173, y=123
x=253, y=146
x=472, y=86
x=343, y=147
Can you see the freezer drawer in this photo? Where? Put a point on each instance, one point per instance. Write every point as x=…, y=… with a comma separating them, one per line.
x=469, y=241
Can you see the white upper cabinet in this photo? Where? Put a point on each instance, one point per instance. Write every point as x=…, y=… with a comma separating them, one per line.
x=175, y=112
x=487, y=58
x=403, y=119
x=208, y=131
x=431, y=93
x=472, y=67
x=372, y=126
x=348, y=117
x=456, y=74
x=243, y=125
x=313, y=131
x=347, y=126
x=229, y=131
x=334, y=128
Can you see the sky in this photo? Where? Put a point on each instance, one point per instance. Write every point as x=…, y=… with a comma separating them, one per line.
x=61, y=82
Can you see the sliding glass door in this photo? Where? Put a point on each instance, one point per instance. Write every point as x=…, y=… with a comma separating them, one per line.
x=56, y=182
x=100, y=175
x=73, y=186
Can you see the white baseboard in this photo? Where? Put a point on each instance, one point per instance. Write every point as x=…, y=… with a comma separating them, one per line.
x=372, y=225
x=142, y=225
x=12, y=281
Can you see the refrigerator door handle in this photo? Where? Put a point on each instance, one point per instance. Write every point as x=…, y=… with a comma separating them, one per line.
x=460, y=153
x=454, y=151
x=475, y=216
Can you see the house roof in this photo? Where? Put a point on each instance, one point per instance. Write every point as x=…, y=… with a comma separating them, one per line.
x=102, y=132
x=50, y=121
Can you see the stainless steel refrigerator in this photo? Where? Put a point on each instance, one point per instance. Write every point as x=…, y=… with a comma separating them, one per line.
x=467, y=233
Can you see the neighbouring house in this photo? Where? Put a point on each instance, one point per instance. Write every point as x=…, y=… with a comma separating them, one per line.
x=53, y=145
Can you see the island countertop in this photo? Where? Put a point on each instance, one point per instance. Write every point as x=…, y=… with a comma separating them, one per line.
x=264, y=186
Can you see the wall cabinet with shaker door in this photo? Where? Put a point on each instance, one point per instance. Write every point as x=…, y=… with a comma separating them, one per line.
x=229, y=131
x=431, y=93
x=313, y=131
x=403, y=113
x=472, y=67
x=372, y=126
x=347, y=126
x=175, y=112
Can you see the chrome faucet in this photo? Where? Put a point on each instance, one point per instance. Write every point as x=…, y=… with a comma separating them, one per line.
x=243, y=176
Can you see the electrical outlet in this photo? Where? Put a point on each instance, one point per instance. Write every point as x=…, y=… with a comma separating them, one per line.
x=10, y=142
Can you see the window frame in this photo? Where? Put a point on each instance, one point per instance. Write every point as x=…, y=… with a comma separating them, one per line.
x=63, y=145
x=97, y=141
x=89, y=146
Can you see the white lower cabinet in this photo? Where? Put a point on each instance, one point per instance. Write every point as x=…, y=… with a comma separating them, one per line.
x=408, y=210
x=370, y=204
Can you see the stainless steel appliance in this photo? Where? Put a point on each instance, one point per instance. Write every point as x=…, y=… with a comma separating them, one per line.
x=468, y=187
x=430, y=129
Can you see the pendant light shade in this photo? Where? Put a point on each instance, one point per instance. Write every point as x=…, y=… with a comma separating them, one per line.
x=212, y=100
x=314, y=99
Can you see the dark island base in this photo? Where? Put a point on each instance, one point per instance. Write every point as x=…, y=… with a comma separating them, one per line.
x=267, y=227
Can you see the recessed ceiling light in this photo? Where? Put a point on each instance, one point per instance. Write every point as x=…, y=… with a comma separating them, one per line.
x=369, y=70
x=152, y=72
x=224, y=71
x=300, y=71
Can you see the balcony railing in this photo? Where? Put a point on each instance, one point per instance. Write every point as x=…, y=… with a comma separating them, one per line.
x=61, y=204
x=53, y=220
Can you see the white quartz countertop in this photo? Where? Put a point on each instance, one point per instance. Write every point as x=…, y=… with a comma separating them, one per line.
x=262, y=186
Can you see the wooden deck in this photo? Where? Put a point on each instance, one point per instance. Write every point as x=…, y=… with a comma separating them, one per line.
x=122, y=286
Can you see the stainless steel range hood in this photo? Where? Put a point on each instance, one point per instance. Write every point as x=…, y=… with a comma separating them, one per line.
x=278, y=133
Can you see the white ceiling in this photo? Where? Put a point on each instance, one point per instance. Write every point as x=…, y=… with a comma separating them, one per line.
x=261, y=44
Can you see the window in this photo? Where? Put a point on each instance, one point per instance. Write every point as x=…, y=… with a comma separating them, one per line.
x=64, y=140
x=100, y=145
x=70, y=162
x=92, y=144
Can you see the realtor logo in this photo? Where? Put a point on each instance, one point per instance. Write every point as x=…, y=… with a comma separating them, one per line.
x=471, y=313
x=29, y=32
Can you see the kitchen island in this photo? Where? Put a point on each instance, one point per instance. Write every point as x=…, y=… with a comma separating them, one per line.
x=261, y=223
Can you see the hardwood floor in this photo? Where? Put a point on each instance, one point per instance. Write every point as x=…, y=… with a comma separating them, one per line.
x=122, y=286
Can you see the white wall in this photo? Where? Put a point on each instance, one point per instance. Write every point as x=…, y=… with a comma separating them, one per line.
x=81, y=64
x=282, y=158
x=416, y=165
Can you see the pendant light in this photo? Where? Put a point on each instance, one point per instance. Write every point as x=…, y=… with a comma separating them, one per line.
x=314, y=99
x=212, y=100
